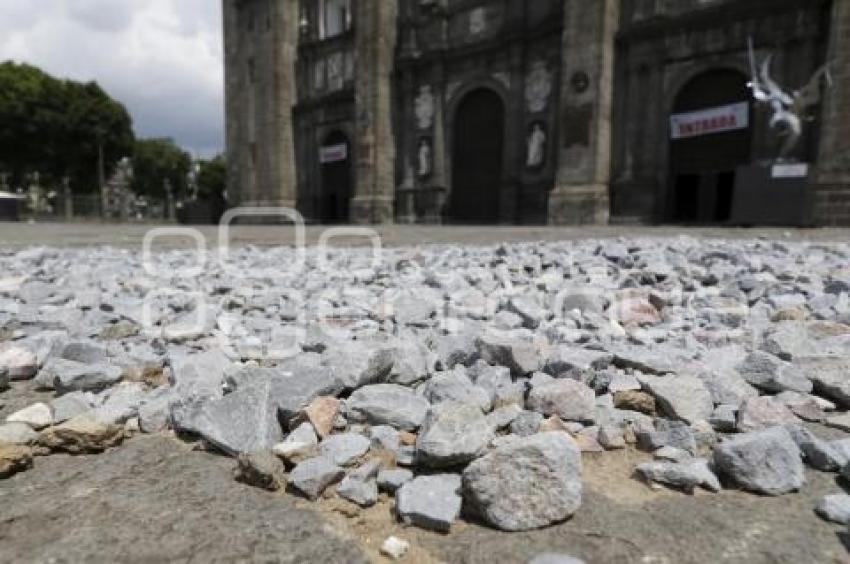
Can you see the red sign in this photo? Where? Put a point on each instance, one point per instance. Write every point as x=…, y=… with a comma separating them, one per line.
x=711, y=120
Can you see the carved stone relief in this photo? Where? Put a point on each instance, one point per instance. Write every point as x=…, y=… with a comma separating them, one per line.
x=424, y=107
x=477, y=21
x=336, y=71
x=538, y=87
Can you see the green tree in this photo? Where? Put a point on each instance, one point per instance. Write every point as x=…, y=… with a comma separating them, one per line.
x=57, y=127
x=156, y=161
x=212, y=179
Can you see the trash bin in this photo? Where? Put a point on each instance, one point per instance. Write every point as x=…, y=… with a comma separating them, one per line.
x=10, y=207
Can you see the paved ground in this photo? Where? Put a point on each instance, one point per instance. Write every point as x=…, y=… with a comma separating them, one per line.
x=16, y=235
x=152, y=500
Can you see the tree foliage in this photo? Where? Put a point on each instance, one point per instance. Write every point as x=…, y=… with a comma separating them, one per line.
x=156, y=161
x=212, y=179
x=56, y=127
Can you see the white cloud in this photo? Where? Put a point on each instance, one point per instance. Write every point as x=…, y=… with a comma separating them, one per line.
x=161, y=58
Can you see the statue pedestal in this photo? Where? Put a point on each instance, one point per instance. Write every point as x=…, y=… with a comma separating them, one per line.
x=772, y=194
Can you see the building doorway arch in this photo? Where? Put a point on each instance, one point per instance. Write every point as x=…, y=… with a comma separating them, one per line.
x=710, y=137
x=477, y=158
x=335, y=160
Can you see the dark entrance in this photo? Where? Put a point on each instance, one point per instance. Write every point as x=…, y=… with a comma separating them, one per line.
x=702, y=167
x=479, y=132
x=336, y=179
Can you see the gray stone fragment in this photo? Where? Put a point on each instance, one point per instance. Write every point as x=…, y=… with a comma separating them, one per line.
x=69, y=406
x=313, y=476
x=385, y=437
x=767, y=461
x=388, y=404
x=295, y=387
x=819, y=454
x=839, y=421
x=526, y=484
x=828, y=375
x=38, y=416
x=667, y=433
x=261, y=469
x=391, y=480
x=762, y=412
x=672, y=454
x=453, y=433
x=502, y=417
x=611, y=437
x=568, y=399
x=726, y=386
x=155, y=410
x=430, y=502
x=17, y=434
x=455, y=386
x=679, y=396
x=358, y=364
x=454, y=350
x=724, y=418
x=788, y=340
x=520, y=356
x=686, y=475
x=298, y=442
x=67, y=376
x=122, y=403
x=360, y=486
x=773, y=375
x=835, y=508
x=647, y=360
x=199, y=375
x=565, y=359
x=526, y=423
x=244, y=421
x=344, y=449
x=84, y=352
x=18, y=362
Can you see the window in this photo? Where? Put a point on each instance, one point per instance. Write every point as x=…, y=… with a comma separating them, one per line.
x=334, y=17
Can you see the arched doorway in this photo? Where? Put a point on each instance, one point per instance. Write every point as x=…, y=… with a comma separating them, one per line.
x=711, y=135
x=335, y=158
x=477, y=155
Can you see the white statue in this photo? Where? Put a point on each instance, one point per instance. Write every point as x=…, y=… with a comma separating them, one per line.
x=424, y=169
x=788, y=109
x=536, y=154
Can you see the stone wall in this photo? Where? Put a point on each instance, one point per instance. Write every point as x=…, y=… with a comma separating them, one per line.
x=832, y=179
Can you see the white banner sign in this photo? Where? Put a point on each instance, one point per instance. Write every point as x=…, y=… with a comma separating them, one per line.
x=710, y=120
x=333, y=153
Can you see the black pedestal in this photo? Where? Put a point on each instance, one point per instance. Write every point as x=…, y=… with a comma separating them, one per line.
x=772, y=194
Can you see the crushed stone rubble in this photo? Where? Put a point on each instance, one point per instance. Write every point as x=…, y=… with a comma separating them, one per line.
x=445, y=380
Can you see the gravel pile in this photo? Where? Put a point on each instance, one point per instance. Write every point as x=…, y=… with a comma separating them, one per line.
x=452, y=380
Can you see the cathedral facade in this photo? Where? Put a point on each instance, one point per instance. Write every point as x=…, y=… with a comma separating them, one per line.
x=534, y=112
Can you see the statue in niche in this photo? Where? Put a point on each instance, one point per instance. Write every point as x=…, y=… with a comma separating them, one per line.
x=538, y=87
x=536, y=146
x=425, y=153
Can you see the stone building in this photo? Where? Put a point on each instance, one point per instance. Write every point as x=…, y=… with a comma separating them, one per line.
x=517, y=111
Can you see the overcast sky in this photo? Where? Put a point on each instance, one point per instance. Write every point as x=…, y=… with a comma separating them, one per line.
x=160, y=58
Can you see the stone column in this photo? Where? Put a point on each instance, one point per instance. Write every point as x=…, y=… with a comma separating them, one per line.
x=284, y=179
x=832, y=176
x=586, y=103
x=232, y=117
x=375, y=33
